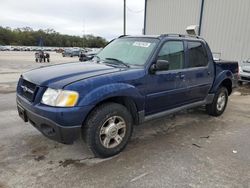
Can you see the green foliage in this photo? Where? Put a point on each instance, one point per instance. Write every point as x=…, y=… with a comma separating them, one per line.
x=28, y=37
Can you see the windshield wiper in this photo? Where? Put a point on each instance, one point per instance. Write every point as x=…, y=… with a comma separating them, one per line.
x=117, y=61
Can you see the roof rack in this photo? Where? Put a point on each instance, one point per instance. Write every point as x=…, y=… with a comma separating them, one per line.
x=179, y=35
x=122, y=36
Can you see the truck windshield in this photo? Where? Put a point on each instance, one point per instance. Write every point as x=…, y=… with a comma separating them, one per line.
x=130, y=51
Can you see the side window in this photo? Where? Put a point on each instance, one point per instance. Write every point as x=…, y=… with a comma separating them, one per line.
x=173, y=52
x=197, y=55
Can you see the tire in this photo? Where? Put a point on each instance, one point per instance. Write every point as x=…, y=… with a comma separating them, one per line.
x=219, y=104
x=106, y=118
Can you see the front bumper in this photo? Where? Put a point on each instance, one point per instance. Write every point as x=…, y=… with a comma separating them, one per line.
x=60, y=124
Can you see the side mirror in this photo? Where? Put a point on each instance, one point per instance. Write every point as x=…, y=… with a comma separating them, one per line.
x=160, y=65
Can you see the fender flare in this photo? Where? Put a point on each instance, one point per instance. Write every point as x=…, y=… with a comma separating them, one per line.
x=220, y=78
x=102, y=93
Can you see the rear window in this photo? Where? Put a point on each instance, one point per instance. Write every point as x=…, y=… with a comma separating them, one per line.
x=197, y=55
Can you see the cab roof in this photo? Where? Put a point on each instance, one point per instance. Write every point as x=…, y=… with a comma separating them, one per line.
x=163, y=36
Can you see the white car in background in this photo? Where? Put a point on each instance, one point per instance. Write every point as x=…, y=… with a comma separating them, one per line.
x=244, y=71
x=6, y=48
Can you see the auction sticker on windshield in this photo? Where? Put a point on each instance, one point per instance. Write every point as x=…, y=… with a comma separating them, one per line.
x=141, y=44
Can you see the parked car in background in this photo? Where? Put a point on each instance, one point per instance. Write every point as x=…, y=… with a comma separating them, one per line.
x=86, y=56
x=59, y=50
x=71, y=52
x=89, y=53
x=37, y=48
x=16, y=48
x=6, y=48
x=27, y=48
x=244, y=71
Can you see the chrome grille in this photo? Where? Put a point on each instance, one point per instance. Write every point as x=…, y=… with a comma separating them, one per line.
x=28, y=90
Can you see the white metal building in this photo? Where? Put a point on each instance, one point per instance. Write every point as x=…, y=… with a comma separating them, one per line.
x=224, y=24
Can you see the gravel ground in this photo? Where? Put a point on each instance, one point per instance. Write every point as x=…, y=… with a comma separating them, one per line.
x=189, y=149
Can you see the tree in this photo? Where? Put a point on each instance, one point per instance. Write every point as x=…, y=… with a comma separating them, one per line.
x=26, y=36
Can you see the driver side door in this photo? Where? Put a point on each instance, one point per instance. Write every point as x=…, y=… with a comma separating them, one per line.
x=167, y=89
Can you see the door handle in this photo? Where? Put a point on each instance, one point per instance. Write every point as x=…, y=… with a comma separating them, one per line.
x=208, y=73
x=182, y=76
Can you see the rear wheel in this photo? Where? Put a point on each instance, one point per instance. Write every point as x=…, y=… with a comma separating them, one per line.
x=108, y=129
x=218, y=106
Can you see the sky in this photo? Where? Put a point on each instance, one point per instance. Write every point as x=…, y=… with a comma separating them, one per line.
x=74, y=17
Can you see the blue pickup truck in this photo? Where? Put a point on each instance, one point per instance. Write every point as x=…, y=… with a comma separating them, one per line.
x=132, y=80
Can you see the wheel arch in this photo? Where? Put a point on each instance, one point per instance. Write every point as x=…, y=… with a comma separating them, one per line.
x=223, y=79
x=126, y=101
x=227, y=83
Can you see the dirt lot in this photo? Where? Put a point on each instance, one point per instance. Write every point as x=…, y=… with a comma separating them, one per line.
x=190, y=149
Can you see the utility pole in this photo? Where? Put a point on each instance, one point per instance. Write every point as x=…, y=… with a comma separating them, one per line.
x=124, y=18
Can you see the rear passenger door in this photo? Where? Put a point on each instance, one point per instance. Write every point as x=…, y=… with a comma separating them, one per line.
x=199, y=72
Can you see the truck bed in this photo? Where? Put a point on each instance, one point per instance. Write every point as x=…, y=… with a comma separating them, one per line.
x=227, y=65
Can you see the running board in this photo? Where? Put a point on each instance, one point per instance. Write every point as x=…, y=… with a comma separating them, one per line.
x=174, y=110
x=142, y=118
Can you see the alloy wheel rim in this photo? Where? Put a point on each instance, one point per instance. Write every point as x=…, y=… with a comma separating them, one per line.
x=112, y=132
x=221, y=101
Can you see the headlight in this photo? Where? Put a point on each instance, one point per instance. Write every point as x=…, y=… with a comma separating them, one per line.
x=60, y=98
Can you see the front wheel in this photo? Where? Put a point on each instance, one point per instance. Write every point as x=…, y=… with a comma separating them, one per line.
x=218, y=106
x=108, y=129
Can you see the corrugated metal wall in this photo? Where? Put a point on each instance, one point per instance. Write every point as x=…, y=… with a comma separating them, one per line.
x=225, y=24
x=171, y=16
x=226, y=27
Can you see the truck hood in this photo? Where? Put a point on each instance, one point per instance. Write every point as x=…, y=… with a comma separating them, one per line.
x=57, y=76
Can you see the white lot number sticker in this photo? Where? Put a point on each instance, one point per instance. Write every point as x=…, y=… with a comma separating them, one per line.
x=141, y=44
